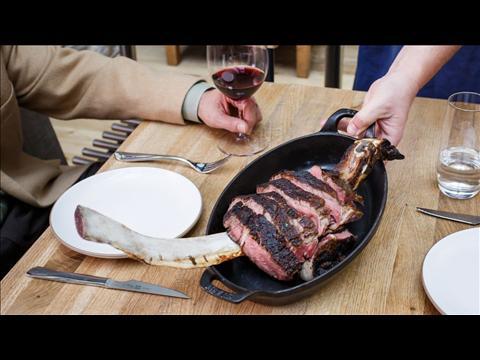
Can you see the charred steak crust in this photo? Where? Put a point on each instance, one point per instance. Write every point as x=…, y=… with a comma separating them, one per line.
x=309, y=228
x=296, y=193
x=311, y=180
x=301, y=239
x=351, y=195
x=280, y=219
x=307, y=178
x=343, y=190
x=341, y=212
x=266, y=235
x=279, y=199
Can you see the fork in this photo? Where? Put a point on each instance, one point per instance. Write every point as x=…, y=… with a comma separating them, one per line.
x=201, y=167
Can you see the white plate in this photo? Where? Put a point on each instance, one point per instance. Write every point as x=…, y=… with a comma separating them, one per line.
x=151, y=201
x=451, y=273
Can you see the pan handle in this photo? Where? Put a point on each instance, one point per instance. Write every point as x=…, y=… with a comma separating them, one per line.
x=331, y=125
x=206, y=283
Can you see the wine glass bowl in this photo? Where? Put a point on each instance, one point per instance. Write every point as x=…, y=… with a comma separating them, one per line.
x=238, y=71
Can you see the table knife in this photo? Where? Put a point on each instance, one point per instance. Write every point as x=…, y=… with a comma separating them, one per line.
x=462, y=218
x=130, y=285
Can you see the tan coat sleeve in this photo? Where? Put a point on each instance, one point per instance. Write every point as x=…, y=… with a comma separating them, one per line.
x=68, y=84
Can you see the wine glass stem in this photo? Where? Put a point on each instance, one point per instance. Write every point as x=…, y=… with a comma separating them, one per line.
x=241, y=137
x=240, y=107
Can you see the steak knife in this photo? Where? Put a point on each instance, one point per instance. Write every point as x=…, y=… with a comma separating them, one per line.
x=130, y=285
x=462, y=218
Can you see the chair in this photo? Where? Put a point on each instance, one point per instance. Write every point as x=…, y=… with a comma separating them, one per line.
x=332, y=66
x=303, y=59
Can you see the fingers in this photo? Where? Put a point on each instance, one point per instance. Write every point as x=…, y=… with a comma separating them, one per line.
x=218, y=111
x=362, y=120
x=230, y=123
x=251, y=114
x=248, y=110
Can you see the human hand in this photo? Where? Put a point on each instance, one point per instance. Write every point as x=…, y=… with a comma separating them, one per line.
x=387, y=102
x=214, y=110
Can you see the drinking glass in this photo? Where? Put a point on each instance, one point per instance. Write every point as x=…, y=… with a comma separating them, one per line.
x=458, y=168
x=238, y=71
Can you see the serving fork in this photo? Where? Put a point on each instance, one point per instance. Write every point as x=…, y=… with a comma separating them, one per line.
x=201, y=167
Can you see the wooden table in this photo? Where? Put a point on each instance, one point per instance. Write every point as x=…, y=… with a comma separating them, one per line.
x=384, y=279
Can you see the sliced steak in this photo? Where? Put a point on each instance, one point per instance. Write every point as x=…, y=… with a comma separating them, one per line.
x=330, y=250
x=304, y=202
x=310, y=232
x=306, y=176
x=341, y=213
x=299, y=237
x=344, y=192
x=261, y=242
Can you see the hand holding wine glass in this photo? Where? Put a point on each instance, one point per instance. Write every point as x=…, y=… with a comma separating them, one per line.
x=214, y=110
x=238, y=71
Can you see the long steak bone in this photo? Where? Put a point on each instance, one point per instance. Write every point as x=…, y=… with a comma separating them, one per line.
x=181, y=253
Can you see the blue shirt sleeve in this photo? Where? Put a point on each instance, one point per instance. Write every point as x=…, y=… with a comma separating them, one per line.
x=461, y=73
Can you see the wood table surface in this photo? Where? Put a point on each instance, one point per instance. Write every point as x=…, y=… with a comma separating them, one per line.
x=384, y=279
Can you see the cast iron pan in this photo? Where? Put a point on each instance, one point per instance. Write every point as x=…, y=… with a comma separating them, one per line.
x=324, y=148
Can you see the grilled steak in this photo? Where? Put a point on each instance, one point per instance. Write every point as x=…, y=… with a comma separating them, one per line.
x=304, y=202
x=310, y=232
x=299, y=208
x=261, y=242
x=299, y=231
x=341, y=213
x=344, y=192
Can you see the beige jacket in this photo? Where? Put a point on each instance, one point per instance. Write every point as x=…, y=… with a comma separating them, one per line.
x=68, y=84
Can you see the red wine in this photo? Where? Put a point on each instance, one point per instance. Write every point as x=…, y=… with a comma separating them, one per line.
x=238, y=82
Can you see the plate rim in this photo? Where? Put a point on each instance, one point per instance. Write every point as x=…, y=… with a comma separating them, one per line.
x=425, y=287
x=121, y=255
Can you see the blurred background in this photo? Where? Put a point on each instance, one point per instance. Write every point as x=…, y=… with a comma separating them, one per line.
x=293, y=65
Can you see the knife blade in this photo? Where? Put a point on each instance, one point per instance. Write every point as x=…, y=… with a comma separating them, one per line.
x=462, y=218
x=82, y=279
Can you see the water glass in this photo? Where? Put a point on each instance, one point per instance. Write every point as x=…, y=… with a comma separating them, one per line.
x=458, y=169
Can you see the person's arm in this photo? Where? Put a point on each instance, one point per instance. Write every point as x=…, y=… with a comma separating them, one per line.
x=420, y=63
x=68, y=84
x=388, y=99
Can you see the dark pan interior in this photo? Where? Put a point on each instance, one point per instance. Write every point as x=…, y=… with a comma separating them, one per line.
x=323, y=149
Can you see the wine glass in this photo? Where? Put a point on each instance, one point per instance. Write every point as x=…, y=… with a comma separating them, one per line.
x=238, y=71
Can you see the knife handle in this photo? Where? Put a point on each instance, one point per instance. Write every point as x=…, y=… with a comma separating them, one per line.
x=72, y=278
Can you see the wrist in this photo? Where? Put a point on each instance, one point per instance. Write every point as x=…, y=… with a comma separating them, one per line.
x=192, y=101
x=405, y=82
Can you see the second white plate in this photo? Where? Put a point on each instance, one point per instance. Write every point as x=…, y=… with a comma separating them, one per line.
x=151, y=201
x=451, y=273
